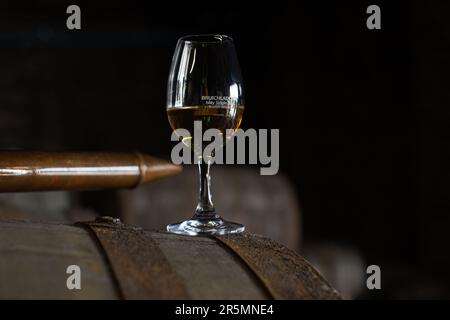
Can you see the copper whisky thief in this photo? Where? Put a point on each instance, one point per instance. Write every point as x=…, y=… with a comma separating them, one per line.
x=24, y=171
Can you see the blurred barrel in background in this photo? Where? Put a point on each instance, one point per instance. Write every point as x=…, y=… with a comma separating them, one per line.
x=266, y=205
x=120, y=261
x=343, y=266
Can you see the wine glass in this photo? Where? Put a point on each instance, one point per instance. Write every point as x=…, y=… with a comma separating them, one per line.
x=205, y=84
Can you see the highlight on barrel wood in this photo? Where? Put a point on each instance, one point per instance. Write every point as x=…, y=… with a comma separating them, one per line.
x=22, y=171
x=118, y=261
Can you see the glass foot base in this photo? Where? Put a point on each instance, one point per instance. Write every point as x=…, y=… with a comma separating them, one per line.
x=193, y=227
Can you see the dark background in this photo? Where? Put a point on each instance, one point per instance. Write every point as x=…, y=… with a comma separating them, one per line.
x=363, y=114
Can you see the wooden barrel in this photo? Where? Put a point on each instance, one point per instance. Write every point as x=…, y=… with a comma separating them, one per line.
x=119, y=261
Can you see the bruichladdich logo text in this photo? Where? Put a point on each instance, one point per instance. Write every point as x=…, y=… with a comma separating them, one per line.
x=219, y=100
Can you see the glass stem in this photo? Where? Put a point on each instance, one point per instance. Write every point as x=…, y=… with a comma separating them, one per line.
x=205, y=207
